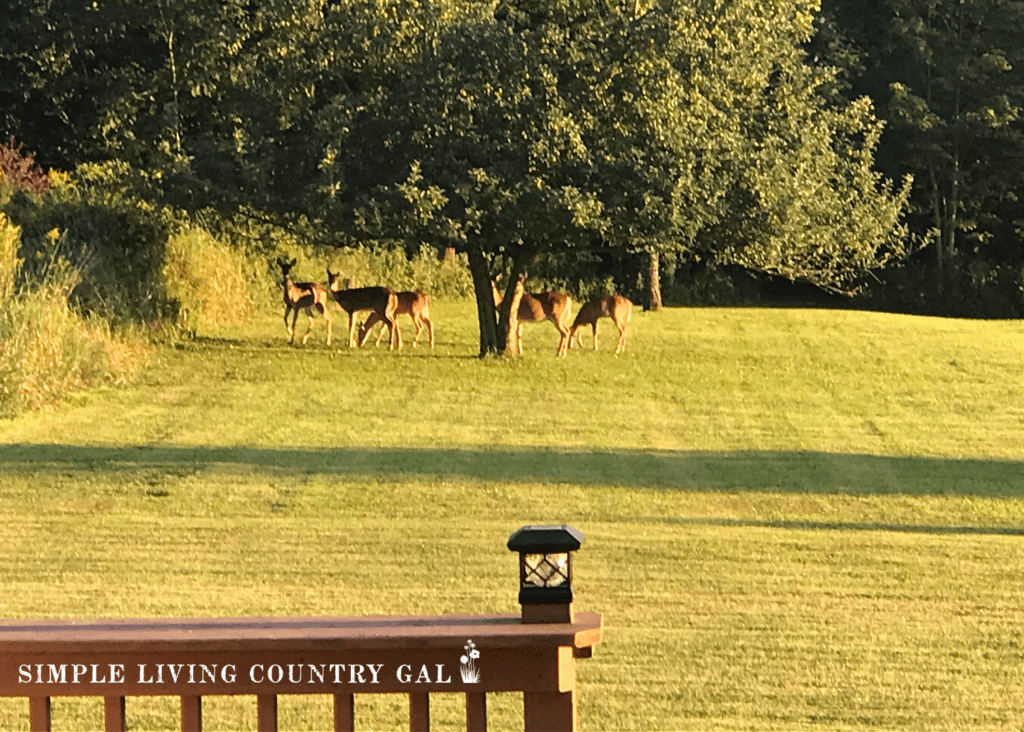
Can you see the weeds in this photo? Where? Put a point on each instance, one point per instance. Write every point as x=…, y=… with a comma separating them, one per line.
x=46, y=348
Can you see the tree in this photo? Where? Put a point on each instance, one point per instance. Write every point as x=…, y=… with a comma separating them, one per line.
x=949, y=77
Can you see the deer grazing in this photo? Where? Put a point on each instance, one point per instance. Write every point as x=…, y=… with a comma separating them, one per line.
x=537, y=307
x=303, y=296
x=616, y=307
x=382, y=301
x=414, y=304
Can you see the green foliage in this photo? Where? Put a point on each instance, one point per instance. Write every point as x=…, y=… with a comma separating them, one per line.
x=47, y=350
x=948, y=77
x=391, y=267
x=10, y=264
x=205, y=279
x=113, y=238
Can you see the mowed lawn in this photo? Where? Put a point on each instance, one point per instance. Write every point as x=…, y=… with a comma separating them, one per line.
x=794, y=519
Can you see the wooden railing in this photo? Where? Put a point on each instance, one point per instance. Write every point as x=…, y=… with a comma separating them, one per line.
x=267, y=657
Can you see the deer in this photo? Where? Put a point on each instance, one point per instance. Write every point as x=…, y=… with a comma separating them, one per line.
x=414, y=304
x=382, y=301
x=303, y=296
x=537, y=307
x=616, y=307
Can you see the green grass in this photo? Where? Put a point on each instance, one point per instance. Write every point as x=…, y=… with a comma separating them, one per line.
x=794, y=519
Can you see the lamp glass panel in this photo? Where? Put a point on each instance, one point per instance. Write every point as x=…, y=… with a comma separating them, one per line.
x=545, y=570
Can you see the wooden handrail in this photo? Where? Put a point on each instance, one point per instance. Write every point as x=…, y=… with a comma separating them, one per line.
x=190, y=658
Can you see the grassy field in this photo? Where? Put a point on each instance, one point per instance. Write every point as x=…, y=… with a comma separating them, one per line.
x=794, y=519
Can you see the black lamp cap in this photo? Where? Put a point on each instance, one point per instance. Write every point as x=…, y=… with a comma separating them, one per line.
x=545, y=539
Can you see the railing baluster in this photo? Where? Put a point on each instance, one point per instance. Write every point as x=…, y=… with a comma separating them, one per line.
x=39, y=714
x=266, y=713
x=549, y=711
x=419, y=712
x=344, y=713
x=476, y=711
x=191, y=714
x=114, y=718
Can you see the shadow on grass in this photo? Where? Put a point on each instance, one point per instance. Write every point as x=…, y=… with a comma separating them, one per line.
x=933, y=529
x=776, y=472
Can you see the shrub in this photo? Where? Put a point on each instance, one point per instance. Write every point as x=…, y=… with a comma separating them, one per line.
x=113, y=238
x=391, y=267
x=19, y=172
x=46, y=348
x=205, y=279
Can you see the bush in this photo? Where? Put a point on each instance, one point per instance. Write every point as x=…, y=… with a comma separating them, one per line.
x=114, y=239
x=390, y=267
x=19, y=172
x=973, y=289
x=204, y=278
x=47, y=349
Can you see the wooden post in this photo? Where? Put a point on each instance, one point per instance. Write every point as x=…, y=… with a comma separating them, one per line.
x=344, y=713
x=191, y=714
x=476, y=712
x=549, y=711
x=114, y=718
x=419, y=712
x=266, y=713
x=39, y=719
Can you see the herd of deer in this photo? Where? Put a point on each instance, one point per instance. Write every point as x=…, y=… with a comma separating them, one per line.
x=385, y=306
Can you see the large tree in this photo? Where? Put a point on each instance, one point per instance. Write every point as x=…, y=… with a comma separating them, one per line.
x=556, y=126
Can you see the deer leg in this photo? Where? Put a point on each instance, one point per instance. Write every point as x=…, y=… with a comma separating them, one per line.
x=352, y=330
x=330, y=323
x=291, y=328
x=397, y=333
x=563, y=339
x=430, y=330
x=309, y=327
x=622, y=339
x=594, y=326
x=418, y=323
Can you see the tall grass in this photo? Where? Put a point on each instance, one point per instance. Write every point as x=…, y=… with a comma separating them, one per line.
x=48, y=350
x=206, y=279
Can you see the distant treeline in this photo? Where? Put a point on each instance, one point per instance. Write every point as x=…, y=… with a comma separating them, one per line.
x=860, y=150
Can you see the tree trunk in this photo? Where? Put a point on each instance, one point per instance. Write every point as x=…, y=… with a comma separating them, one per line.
x=511, y=339
x=953, y=223
x=508, y=320
x=486, y=313
x=654, y=281
x=940, y=243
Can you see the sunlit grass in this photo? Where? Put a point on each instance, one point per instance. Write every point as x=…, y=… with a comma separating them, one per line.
x=794, y=519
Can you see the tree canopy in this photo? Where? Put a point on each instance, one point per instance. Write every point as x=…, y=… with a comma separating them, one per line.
x=530, y=134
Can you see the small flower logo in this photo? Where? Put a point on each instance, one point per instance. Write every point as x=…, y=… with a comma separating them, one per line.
x=470, y=673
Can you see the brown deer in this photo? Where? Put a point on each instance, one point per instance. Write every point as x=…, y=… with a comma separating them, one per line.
x=303, y=296
x=616, y=307
x=380, y=300
x=537, y=307
x=414, y=304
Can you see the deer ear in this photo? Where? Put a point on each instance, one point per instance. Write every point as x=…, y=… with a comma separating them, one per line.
x=294, y=262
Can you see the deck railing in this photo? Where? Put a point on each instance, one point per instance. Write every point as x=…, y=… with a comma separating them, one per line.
x=267, y=657
x=115, y=658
